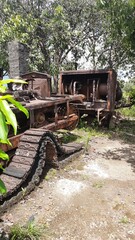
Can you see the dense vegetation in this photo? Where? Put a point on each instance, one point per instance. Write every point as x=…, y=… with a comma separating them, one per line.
x=99, y=32
x=129, y=96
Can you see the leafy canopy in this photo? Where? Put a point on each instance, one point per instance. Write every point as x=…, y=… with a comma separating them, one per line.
x=101, y=31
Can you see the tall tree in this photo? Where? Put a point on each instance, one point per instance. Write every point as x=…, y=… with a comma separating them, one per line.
x=50, y=29
x=117, y=22
x=102, y=31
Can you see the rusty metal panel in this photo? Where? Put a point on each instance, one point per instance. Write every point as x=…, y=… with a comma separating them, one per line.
x=40, y=82
x=98, y=86
x=33, y=75
x=14, y=143
x=111, y=89
x=42, y=86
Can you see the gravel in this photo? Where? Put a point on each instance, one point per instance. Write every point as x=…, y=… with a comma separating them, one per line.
x=90, y=198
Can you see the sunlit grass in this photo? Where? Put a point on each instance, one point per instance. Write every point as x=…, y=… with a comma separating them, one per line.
x=128, y=112
x=83, y=133
x=30, y=231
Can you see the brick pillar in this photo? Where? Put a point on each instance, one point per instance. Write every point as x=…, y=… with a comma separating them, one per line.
x=18, y=59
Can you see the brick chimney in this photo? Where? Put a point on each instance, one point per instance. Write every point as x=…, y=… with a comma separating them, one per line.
x=18, y=59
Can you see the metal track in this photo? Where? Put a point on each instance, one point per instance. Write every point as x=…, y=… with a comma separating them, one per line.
x=37, y=147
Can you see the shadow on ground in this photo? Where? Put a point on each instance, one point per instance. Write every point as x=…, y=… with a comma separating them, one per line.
x=125, y=131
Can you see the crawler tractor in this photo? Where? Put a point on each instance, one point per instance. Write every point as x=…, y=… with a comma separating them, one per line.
x=35, y=144
x=100, y=88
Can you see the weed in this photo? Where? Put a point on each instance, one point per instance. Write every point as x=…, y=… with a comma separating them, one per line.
x=83, y=133
x=127, y=126
x=30, y=232
x=128, y=112
x=52, y=172
x=68, y=168
x=86, y=133
x=69, y=137
x=66, y=136
x=98, y=185
x=82, y=124
x=85, y=177
x=47, y=178
x=124, y=220
x=125, y=130
x=23, y=191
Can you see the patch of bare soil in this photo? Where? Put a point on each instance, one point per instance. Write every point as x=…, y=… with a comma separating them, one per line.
x=91, y=198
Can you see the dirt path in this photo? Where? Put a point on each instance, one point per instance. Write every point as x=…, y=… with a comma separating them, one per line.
x=91, y=198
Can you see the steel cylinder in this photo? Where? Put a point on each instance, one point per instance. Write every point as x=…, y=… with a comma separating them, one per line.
x=102, y=89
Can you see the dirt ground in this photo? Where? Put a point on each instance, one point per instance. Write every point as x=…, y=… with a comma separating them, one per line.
x=91, y=198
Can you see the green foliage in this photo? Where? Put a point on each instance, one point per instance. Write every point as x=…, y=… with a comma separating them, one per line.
x=2, y=187
x=19, y=106
x=4, y=56
x=85, y=132
x=98, y=185
x=124, y=220
x=3, y=129
x=118, y=32
x=129, y=97
x=83, y=123
x=7, y=117
x=3, y=155
x=6, y=114
x=125, y=130
x=67, y=136
x=52, y=30
x=128, y=126
x=52, y=173
x=132, y=94
x=128, y=112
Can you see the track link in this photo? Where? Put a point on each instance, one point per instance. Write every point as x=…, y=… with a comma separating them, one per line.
x=37, y=147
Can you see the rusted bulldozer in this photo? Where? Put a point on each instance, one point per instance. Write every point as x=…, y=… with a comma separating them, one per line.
x=100, y=88
x=36, y=145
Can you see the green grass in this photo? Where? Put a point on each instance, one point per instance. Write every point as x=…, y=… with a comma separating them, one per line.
x=98, y=185
x=83, y=133
x=66, y=136
x=124, y=220
x=52, y=173
x=31, y=232
x=86, y=132
x=128, y=112
x=125, y=130
x=127, y=126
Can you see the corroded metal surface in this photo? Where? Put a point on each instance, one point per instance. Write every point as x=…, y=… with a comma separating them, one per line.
x=35, y=145
x=100, y=87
